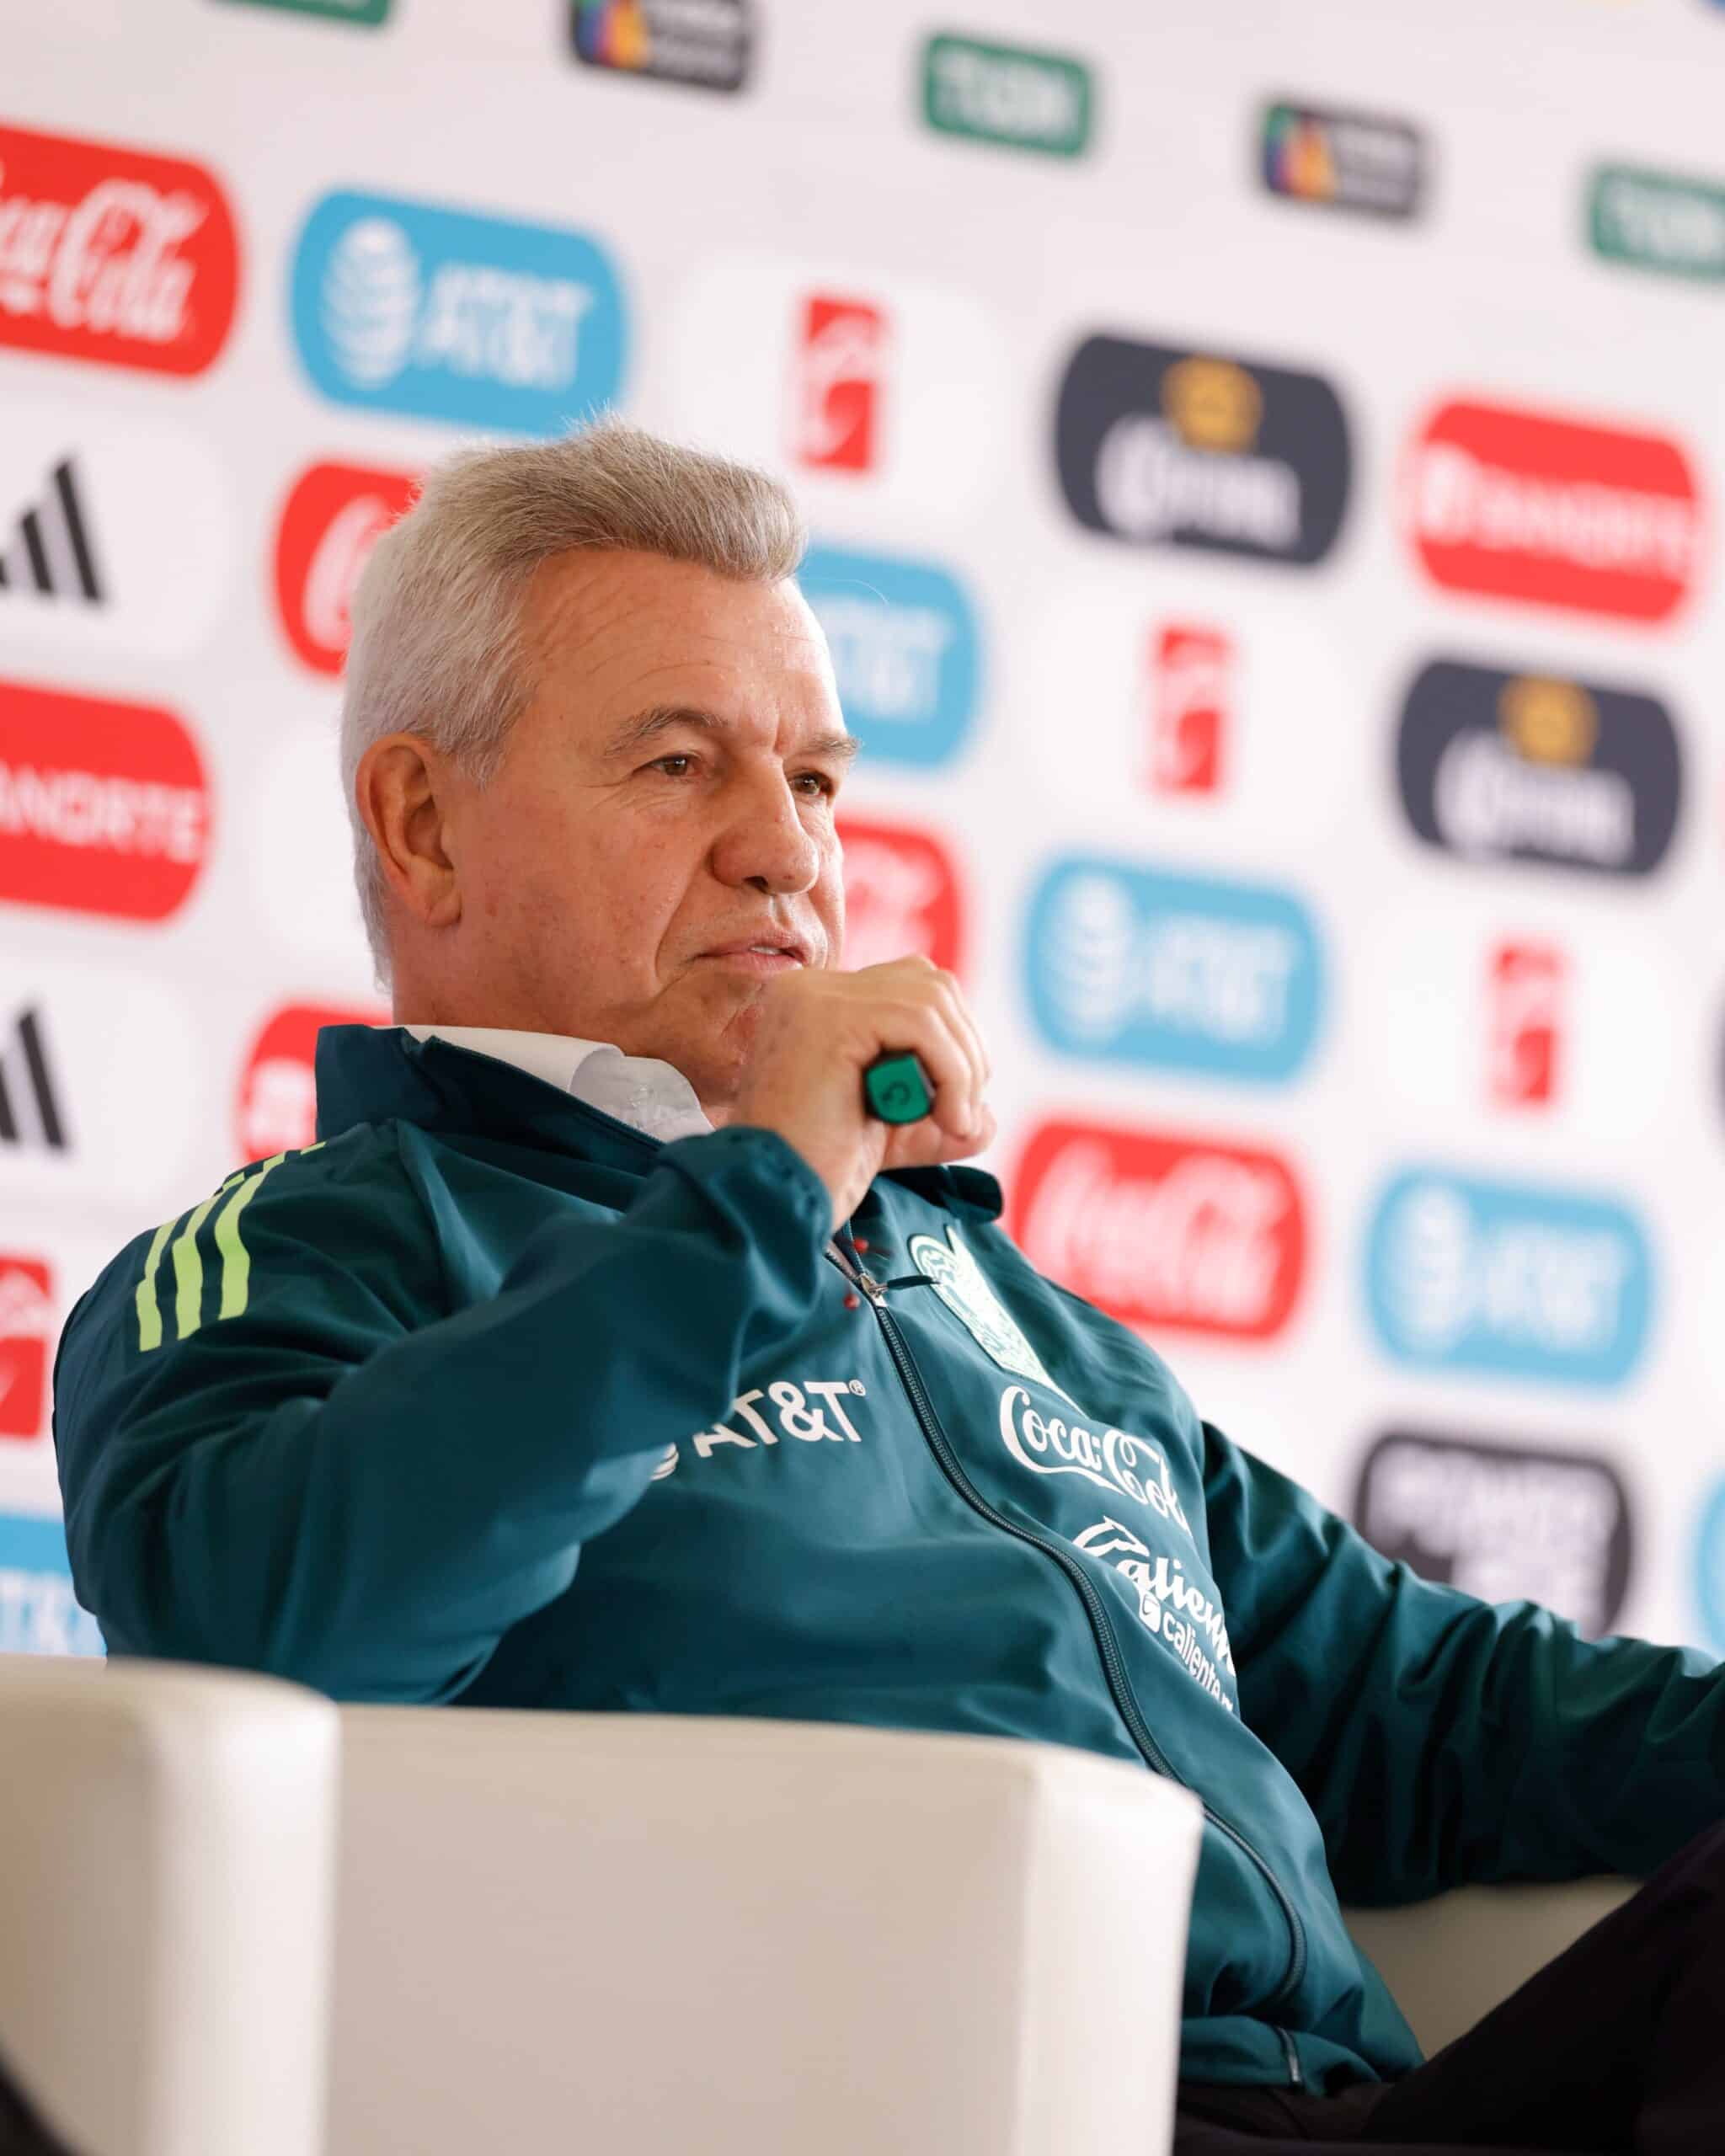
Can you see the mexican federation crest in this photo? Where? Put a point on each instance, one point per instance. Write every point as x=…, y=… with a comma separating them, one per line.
x=964, y=1288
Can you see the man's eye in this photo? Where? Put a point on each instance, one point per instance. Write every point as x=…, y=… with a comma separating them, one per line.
x=822, y=784
x=662, y=764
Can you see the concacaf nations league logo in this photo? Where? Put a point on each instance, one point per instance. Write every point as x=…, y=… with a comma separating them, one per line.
x=401, y=307
x=1163, y=447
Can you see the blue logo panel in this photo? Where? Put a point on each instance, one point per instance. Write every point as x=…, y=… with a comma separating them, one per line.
x=481, y=321
x=1180, y=972
x=39, y=1613
x=1709, y=1569
x=1506, y=1281
x=905, y=650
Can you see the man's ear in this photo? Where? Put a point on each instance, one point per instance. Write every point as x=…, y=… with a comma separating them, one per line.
x=403, y=791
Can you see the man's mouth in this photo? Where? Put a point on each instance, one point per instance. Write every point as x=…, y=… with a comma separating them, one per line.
x=762, y=955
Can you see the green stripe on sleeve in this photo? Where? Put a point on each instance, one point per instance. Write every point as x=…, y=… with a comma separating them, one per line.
x=235, y=1258
x=189, y=1271
x=149, y=1309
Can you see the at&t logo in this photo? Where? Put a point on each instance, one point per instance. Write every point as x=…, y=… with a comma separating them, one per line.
x=1130, y=965
x=906, y=652
x=1505, y=1280
x=444, y=315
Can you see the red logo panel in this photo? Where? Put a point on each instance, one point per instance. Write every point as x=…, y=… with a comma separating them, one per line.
x=902, y=896
x=1189, y=693
x=838, y=385
x=112, y=254
x=1518, y=505
x=1162, y=1231
x=1524, y=1024
x=26, y=1326
x=276, y=1108
x=329, y=524
x=105, y=807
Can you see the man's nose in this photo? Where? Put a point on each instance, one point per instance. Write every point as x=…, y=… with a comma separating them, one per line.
x=765, y=841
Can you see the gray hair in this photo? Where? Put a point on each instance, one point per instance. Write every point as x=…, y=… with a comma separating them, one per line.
x=439, y=646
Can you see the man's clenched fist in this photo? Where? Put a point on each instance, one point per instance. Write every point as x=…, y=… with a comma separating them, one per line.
x=816, y=1034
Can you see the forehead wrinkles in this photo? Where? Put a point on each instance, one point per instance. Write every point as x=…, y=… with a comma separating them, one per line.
x=635, y=620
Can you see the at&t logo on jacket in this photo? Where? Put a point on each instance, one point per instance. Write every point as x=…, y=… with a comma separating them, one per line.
x=442, y=314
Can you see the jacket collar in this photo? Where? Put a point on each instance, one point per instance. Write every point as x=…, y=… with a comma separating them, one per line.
x=370, y=1074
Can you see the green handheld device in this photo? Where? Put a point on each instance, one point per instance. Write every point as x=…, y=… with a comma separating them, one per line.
x=895, y=1087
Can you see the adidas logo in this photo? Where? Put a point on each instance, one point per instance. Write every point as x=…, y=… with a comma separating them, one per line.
x=51, y=553
x=25, y=1078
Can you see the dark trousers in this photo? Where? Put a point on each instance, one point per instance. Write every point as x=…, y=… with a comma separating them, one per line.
x=1617, y=2046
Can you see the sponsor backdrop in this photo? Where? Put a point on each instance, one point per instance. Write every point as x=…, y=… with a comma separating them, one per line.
x=1264, y=470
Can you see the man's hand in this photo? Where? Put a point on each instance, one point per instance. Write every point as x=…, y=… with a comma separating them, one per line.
x=817, y=1031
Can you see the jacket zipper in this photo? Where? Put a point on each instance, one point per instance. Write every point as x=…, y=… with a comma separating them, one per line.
x=1113, y=1664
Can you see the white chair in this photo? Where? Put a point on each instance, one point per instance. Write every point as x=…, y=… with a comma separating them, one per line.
x=1449, y=1961
x=639, y=1934
x=166, y=1862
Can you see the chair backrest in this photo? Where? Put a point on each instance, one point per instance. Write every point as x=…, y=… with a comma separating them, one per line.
x=167, y=1861
x=1451, y=1959
x=646, y=1933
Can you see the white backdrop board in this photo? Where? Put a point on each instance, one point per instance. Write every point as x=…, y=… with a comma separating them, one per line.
x=1262, y=465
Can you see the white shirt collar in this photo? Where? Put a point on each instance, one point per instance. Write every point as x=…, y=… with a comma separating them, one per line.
x=650, y=1097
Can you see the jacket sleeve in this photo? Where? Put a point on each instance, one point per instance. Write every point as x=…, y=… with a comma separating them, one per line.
x=280, y=1449
x=1439, y=1739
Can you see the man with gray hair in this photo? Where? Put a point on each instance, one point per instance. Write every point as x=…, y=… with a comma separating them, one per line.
x=607, y=1352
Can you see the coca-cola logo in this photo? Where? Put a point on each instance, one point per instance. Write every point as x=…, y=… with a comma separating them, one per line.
x=105, y=807
x=275, y=1110
x=112, y=254
x=902, y=896
x=1163, y=1230
x=26, y=1326
x=1497, y=766
x=330, y=522
x=1114, y=1459
x=1517, y=504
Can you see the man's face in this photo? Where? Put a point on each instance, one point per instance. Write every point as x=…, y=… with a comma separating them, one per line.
x=664, y=802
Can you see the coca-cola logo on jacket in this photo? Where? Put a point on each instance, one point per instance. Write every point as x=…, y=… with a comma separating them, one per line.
x=1517, y=504
x=105, y=807
x=330, y=522
x=275, y=1110
x=902, y=895
x=112, y=254
x=1162, y=1230
x=1495, y=767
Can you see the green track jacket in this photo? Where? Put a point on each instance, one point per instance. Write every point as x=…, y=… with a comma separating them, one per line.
x=485, y=1398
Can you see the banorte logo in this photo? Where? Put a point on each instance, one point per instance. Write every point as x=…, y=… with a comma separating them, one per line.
x=404, y=307
x=1128, y=964
x=26, y=1328
x=1517, y=504
x=330, y=522
x=275, y=1109
x=902, y=895
x=1163, y=1230
x=1496, y=766
x=1507, y=1280
x=112, y=254
x=105, y=807
x=1163, y=447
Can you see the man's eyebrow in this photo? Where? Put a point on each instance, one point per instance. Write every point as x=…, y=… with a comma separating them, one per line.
x=649, y=725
